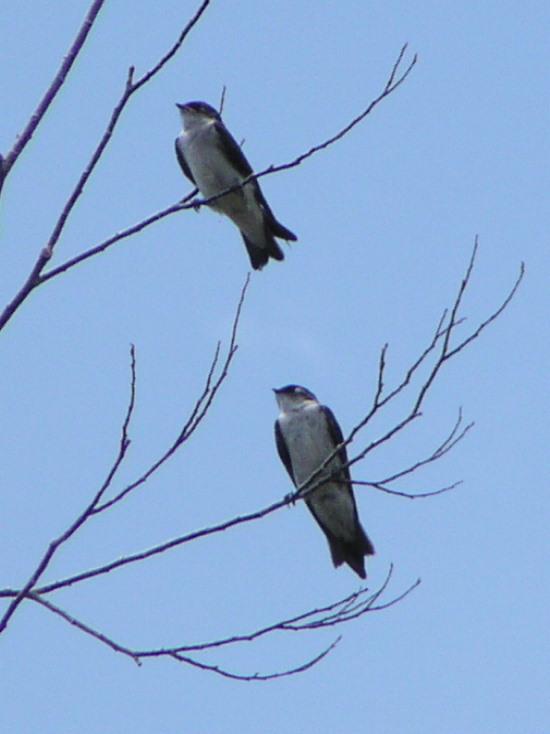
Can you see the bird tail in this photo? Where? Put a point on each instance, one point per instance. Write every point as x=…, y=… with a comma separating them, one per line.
x=278, y=230
x=352, y=553
x=272, y=225
x=260, y=254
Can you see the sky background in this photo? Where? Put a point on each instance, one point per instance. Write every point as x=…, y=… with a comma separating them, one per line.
x=386, y=221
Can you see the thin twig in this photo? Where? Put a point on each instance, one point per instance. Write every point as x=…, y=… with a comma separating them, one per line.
x=344, y=610
x=174, y=49
x=442, y=335
x=222, y=100
x=162, y=548
x=409, y=495
x=83, y=516
x=257, y=676
x=448, y=444
x=134, y=229
x=328, y=615
x=100, y=637
x=491, y=318
x=442, y=449
x=199, y=411
x=83, y=627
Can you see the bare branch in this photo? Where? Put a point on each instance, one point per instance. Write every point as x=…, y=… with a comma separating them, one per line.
x=380, y=402
x=124, y=441
x=83, y=627
x=342, y=611
x=257, y=676
x=391, y=85
x=130, y=87
x=83, y=516
x=447, y=445
x=134, y=229
x=199, y=411
x=53, y=89
x=446, y=350
x=222, y=100
x=175, y=48
x=381, y=368
x=162, y=548
x=491, y=318
x=136, y=657
x=409, y=495
x=197, y=415
x=441, y=333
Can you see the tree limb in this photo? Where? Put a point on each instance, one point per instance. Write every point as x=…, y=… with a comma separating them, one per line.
x=94, y=506
x=52, y=90
x=342, y=611
x=131, y=86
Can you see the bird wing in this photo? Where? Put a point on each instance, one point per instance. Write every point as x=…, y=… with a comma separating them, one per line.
x=183, y=163
x=337, y=437
x=276, y=228
x=283, y=451
x=232, y=150
x=363, y=544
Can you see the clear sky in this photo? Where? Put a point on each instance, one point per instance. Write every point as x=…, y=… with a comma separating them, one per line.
x=386, y=221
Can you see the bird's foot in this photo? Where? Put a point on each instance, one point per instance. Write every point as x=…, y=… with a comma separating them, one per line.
x=291, y=498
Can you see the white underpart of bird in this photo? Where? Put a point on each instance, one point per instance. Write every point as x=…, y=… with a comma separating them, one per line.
x=212, y=174
x=307, y=434
x=211, y=158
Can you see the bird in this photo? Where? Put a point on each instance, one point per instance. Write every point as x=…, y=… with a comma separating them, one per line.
x=306, y=434
x=213, y=160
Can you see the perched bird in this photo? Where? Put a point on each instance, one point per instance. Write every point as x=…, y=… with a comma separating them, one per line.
x=212, y=159
x=306, y=434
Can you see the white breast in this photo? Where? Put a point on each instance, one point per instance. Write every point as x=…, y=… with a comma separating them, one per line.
x=307, y=439
x=309, y=443
x=213, y=174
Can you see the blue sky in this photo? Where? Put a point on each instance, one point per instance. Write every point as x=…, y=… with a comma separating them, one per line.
x=386, y=221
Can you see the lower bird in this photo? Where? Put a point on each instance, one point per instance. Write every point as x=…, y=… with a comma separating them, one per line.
x=213, y=160
x=307, y=433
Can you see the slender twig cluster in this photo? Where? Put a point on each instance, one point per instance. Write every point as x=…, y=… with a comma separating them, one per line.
x=441, y=345
x=131, y=86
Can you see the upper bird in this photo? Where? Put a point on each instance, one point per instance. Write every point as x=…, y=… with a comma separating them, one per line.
x=307, y=433
x=212, y=159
